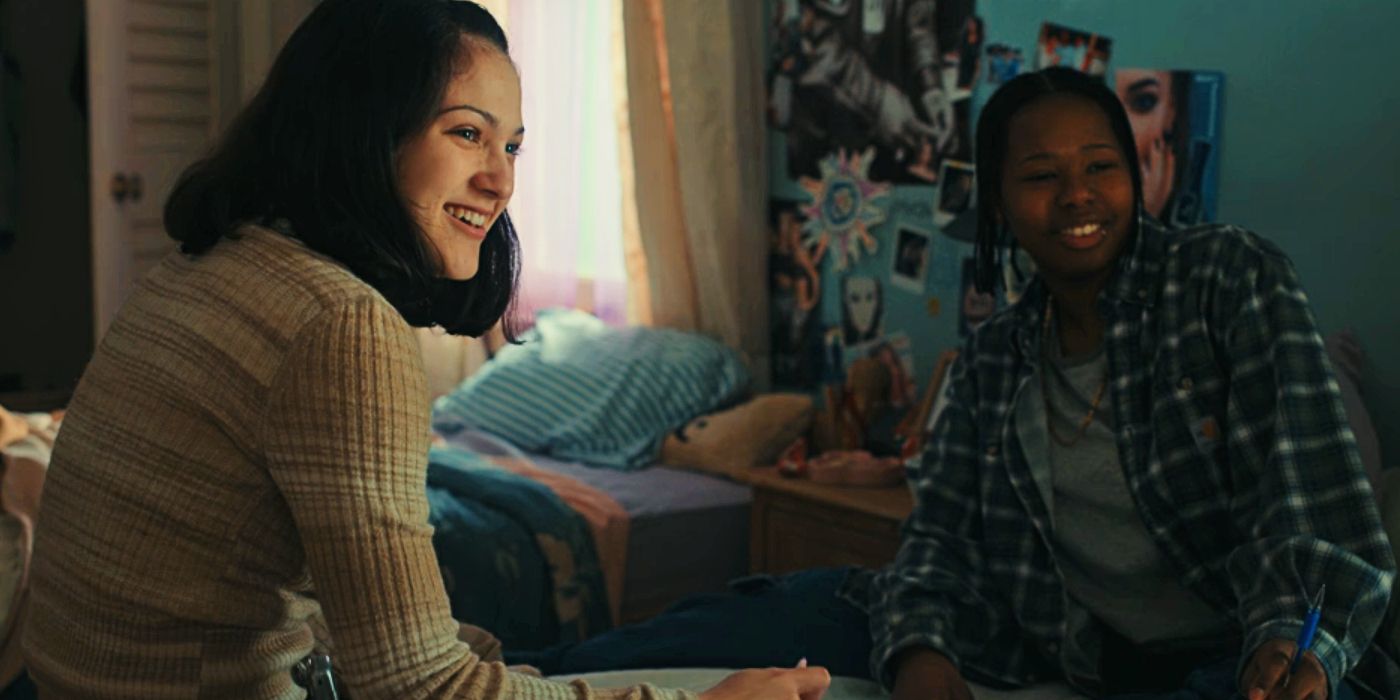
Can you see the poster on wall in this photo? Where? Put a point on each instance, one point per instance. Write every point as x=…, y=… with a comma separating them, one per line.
x=862, y=309
x=955, y=191
x=845, y=204
x=909, y=264
x=794, y=281
x=1175, y=117
x=895, y=353
x=881, y=74
x=1073, y=48
x=1003, y=63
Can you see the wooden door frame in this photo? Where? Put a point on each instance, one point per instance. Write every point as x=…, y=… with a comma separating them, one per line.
x=106, y=144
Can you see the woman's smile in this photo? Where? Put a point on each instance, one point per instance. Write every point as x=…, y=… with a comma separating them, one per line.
x=1083, y=236
x=470, y=221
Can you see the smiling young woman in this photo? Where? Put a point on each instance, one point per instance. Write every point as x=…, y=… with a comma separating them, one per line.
x=247, y=450
x=1144, y=469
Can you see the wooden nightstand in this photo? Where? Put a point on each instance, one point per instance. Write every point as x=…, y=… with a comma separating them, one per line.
x=796, y=524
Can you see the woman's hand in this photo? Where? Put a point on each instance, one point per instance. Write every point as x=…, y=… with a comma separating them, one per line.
x=924, y=674
x=1266, y=675
x=771, y=684
x=1158, y=177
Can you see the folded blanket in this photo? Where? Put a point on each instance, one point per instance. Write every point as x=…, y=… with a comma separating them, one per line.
x=607, y=519
x=515, y=558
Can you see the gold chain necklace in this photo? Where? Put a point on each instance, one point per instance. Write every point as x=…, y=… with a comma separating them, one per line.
x=1045, y=388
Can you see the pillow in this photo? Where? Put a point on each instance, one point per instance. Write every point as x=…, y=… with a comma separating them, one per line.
x=24, y=461
x=751, y=434
x=578, y=390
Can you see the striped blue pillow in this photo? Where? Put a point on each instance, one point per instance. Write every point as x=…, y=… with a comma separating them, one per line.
x=579, y=390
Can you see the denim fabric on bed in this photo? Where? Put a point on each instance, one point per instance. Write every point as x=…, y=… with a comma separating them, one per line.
x=579, y=390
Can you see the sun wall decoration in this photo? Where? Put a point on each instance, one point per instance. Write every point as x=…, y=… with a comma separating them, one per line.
x=845, y=204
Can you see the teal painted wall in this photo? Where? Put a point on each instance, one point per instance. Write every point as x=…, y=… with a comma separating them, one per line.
x=1310, y=150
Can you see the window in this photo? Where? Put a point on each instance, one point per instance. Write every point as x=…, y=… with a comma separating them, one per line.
x=568, y=201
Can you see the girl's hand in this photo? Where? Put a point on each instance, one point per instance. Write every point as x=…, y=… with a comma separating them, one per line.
x=925, y=674
x=1266, y=676
x=772, y=684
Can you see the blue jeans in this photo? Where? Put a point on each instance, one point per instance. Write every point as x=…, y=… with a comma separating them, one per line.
x=762, y=621
x=21, y=689
x=774, y=621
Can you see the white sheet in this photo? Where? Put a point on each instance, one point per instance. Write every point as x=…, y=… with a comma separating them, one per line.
x=842, y=688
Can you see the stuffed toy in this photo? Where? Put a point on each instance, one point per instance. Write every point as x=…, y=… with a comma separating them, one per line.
x=751, y=434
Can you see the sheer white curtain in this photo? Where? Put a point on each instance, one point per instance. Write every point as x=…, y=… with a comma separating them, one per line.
x=568, y=199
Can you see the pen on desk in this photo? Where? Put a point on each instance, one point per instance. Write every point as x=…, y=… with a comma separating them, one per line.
x=1309, y=631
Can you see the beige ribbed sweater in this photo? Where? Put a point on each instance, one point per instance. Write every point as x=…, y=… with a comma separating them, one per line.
x=254, y=421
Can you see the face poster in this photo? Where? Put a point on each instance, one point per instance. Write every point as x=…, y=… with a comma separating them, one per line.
x=1175, y=117
x=892, y=75
x=862, y=309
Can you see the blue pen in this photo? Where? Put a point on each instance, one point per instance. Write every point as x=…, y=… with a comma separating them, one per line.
x=1309, y=631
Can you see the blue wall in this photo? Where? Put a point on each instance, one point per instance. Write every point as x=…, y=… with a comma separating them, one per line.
x=1310, y=148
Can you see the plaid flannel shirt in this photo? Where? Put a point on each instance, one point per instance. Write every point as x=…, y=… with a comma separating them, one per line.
x=1234, y=444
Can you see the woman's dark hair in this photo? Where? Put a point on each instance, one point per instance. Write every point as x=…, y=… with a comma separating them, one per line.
x=993, y=131
x=317, y=148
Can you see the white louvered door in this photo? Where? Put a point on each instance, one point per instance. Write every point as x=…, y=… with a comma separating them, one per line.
x=152, y=97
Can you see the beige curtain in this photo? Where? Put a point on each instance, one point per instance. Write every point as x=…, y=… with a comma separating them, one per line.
x=694, y=170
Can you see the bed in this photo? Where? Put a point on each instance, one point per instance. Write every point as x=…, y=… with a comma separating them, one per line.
x=688, y=531
x=602, y=416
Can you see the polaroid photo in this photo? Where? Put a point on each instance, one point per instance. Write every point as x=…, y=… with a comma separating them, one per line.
x=1004, y=63
x=956, y=185
x=912, y=249
x=1073, y=48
